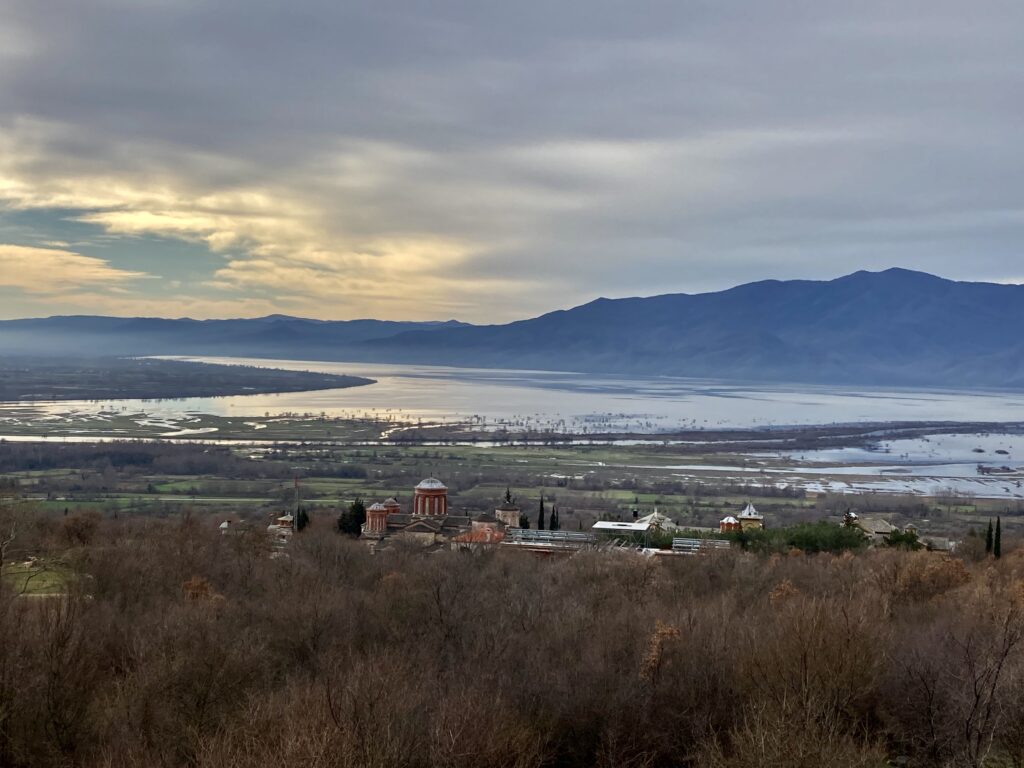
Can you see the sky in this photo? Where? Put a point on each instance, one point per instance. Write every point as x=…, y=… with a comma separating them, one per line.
x=492, y=161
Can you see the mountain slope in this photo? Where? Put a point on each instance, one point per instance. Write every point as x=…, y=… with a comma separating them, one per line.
x=895, y=327
x=273, y=336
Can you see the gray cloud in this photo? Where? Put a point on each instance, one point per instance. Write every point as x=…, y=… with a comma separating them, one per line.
x=515, y=158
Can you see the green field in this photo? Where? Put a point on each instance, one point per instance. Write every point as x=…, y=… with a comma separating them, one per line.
x=40, y=579
x=587, y=482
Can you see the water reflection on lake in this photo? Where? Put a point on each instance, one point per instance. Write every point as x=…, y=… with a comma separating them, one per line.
x=575, y=402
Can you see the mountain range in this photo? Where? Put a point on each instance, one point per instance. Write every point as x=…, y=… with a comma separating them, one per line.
x=891, y=328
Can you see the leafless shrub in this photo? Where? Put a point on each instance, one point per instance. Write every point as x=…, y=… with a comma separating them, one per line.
x=179, y=646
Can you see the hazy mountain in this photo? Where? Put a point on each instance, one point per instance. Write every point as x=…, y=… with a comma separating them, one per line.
x=272, y=336
x=893, y=327
x=887, y=328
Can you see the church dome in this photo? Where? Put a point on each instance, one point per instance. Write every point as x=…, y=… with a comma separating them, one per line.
x=431, y=484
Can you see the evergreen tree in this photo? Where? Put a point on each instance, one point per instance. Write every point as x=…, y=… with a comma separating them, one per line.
x=553, y=523
x=358, y=510
x=988, y=539
x=540, y=514
x=524, y=521
x=301, y=519
x=351, y=520
x=508, y=495
x=997, y=541
x=902, y=540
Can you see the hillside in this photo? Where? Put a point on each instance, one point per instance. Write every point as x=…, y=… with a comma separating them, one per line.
x=894, y=327
x=873, y=328
x=277, y=336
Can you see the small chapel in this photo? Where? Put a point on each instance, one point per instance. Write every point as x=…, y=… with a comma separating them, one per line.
x=748, y=519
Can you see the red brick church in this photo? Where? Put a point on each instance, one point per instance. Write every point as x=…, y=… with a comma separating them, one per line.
x=431, y=522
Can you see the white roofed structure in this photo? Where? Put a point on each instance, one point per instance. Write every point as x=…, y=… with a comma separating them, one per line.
x=750, y=518
x=750, y=513
x=659, y=520
x=608, y=526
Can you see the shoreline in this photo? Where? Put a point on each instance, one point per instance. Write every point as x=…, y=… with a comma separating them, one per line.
x=753, y=439
x=40, y=382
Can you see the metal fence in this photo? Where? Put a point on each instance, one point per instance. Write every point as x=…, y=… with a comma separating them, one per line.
x=564, y=538
x=698, y=546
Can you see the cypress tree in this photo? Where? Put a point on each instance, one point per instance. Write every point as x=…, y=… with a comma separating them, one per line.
x=540, y=514
x=358, y=510
x=351, y=521
x=553, y=523
x=997, y=541
x=988, y=539
x=524, y=521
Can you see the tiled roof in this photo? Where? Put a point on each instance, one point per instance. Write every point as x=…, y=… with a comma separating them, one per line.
x=480, y=536
x=423, y=525
x=447, y=524
x=875, y=525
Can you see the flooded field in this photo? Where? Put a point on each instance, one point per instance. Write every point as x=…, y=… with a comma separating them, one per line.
x=566, y=402
x=481, y=404
x=575, y=402
x=987, y=466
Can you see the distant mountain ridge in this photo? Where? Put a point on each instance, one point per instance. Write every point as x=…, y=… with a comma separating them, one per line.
x=896, y=327
x=271, y=336
x=891, y=328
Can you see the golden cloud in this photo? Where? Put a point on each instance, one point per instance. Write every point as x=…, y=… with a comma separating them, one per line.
x=127, y=305
x=290, y=237
x=54, y=271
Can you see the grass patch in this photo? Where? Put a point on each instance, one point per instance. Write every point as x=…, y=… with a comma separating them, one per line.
x=40, y=578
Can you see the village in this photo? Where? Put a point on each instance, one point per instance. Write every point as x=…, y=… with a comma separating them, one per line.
x=430, y=523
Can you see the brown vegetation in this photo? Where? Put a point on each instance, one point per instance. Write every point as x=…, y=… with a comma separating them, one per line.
x=177, y=646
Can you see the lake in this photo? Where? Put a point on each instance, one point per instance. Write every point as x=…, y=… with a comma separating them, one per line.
x=585, y=403
x=579, y=403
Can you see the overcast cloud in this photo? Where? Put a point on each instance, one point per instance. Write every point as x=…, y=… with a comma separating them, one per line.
x=427, y=160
